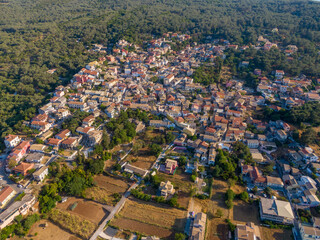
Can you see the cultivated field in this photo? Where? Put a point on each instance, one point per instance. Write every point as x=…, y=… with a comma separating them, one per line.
x=89, y=210
x=216, y=227
x=45, y=229
x=105, y=189
x=150, y=219
x=181, y=183
x=245, y=212
x=73, y=223
x=142, y=159
x=279, y=234
x=241, y=213
x=180, y=180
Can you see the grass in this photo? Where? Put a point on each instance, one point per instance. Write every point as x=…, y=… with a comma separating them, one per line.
x=73, y=223
x=279, y=234
x=180, y=181
x=105, y=190
x=100, y=195
x=217, y=227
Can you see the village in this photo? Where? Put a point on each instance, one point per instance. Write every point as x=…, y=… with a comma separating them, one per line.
x=214, y=171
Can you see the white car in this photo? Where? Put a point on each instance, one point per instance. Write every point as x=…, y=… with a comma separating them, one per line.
x=1, y=178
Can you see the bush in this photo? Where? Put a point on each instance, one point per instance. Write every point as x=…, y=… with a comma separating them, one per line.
x=244, y=196
x=193, y=178
x=229, y=204
x=219, y=213
x=231, y=226
x=179, y=236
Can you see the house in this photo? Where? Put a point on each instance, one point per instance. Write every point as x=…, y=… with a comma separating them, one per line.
x=40, y=174
x=35, y=157
x=41, y=126
x=168, y=79
x=23, y=168
x=247, y=232
x=290, y=182
x=88, y=121
x=70, y=143
x=275, y=183
x=78, y=105
x=279, y=74
x=253, y=143
x=135, y=170
x=276, y=210
x=37, y=148
x=311, y=197
x=54, y=142
x=150, y=238
x=308, y=232
x=166, y=189
x=281, y=135
x=6, y=194
x=199, y=227
x=11, y=141
x=63, y=134
x=94, y=137
x=255, y=175
x=19, y=151
x=212, y=156
x=19, y=207
x=160, y=123
x=169, y=167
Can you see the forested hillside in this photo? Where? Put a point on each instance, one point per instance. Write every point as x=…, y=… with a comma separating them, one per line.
x=37, y=35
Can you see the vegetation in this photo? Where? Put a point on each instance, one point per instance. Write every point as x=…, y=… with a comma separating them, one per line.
x=305, y=216
x=173, y=201
x=37, y=36
x=208, y=74
x=73, y=223
x=308, y=112
x=244, y=196
x=20, y=227
x=179, y=236
x=229, y=197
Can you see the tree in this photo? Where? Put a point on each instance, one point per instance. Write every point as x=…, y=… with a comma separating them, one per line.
x=105, y=140
x=268, y=169
x=231, y=182
x=193, y=178
x=39, y=141
x=219, y=213
x=244, y=196
x=182, y=161
x=173, y=202
x=255, y=190
x=155, y=149
x=268, y=191
x=229, y=196
x=96, y=166
x=179, y=236
x=308, y=136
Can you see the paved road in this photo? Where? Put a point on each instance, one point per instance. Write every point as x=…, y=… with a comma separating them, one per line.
x=123, y=199
x=5, y=179
x=113, y=212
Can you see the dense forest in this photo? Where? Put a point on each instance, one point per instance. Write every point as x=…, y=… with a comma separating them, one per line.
x=37, y=35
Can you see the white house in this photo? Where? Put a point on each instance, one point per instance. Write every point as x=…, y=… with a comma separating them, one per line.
x=6, y=194
x=40, y=174
x=11, y=141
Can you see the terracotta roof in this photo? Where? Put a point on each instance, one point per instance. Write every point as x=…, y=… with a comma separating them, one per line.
x=10, y=137
x=5, y=192
x=23, y=167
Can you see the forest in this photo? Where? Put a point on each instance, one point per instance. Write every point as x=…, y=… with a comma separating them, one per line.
x=38, y=35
